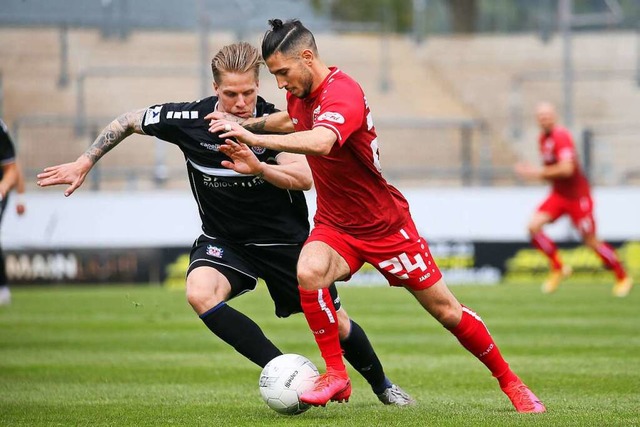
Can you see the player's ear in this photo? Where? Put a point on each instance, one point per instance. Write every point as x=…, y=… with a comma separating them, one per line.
x=215, y=87
x=307, y=56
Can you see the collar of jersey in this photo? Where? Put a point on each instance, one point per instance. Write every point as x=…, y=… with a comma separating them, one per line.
x=332, y=73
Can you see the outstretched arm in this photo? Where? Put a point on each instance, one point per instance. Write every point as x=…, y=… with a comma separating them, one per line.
x=560, y=170
x=316, y=142
x=279, y=122
x=74, y=173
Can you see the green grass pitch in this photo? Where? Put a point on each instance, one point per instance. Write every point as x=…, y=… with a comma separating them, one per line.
x=126, y=355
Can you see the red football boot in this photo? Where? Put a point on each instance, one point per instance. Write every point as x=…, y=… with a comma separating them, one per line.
x=522, y=398
x=333, y=385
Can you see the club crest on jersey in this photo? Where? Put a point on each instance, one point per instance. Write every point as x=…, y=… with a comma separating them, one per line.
x=214, y=251
x=258, y=150
x=331, y=116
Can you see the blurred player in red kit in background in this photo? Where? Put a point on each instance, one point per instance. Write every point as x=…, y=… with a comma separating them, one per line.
x=570, y=195
x=360, y=217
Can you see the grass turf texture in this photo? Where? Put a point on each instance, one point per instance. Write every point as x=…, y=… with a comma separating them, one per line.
x=138, y=356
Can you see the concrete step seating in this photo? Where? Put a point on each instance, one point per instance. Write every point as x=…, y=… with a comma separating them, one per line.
x=31, y=67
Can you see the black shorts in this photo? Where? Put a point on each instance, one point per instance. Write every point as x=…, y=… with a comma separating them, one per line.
x=243, y=264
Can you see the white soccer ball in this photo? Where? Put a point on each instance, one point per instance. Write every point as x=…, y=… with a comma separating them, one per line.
x=284, y=379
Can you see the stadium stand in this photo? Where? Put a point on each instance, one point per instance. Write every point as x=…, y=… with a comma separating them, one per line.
x=501, y=78
x=111, y=76
x=450, y=111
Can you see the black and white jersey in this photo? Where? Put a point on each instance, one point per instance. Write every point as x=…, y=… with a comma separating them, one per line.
x=234, y=206
x=7, y=150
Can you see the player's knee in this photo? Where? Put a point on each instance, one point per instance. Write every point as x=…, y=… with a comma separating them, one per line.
x=591, y=241
x=450, y=319
x=195, y=298
x=201, y=298
x=534, y=228
x=448, y=315
x=310, y=278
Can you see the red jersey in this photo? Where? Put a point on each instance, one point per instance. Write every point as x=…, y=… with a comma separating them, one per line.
x=352, y=195
x=558, y=146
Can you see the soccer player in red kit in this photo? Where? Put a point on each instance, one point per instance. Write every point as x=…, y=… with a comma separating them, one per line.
x=570, y=195
x=360, y=217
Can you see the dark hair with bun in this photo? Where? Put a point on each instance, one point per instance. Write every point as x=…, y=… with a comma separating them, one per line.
x=287, y=37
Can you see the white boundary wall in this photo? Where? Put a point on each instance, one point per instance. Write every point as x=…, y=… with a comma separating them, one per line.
x=169, y=218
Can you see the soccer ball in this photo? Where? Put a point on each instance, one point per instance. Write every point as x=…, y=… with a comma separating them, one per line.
x=284, y=379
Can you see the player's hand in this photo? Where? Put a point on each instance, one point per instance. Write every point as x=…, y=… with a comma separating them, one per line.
x=228, y=130
x=218, y=115
x=20, y=208
x=68, y=173
x=527, y=171
x=243, y=160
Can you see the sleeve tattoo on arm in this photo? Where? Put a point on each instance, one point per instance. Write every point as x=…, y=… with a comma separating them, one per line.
x=114, y=133
x=256, y=126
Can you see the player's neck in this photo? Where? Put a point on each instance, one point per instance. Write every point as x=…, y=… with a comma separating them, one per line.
x=320, y=73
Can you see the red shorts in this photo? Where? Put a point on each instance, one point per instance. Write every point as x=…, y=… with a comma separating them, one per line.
x=580, y=210
x=403, y=257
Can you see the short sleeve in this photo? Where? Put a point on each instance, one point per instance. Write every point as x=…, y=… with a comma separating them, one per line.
x=171, y=121
x=564, y=147
x=342, y=108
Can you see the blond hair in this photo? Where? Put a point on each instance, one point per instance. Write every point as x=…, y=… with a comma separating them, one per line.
x=236, y=58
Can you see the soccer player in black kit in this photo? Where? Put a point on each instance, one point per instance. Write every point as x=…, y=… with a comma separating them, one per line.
x=10, y=178
x=253, y=211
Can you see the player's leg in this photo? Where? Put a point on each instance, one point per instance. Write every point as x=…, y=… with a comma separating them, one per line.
x=582, y=217
x=473, y=334
x=548, y=212
x=208, y=289
x=360, y=354
x=5, y=293
x=541, y=241
x=277, y=266
x=405, y=260
x=318, y=267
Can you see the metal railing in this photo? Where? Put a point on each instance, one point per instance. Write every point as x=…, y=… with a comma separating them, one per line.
x=118, y=72
x=519, y=81
x=605, y=149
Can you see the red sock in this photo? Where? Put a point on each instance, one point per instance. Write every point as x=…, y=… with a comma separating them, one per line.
x=608, y=256
x=474, y=336
x=543, y=243
x=321, y=316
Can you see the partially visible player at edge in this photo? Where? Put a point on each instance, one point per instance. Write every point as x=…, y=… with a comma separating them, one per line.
x=11, y=178
x=360, y=217
x=570, y=195
x=253, y=211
